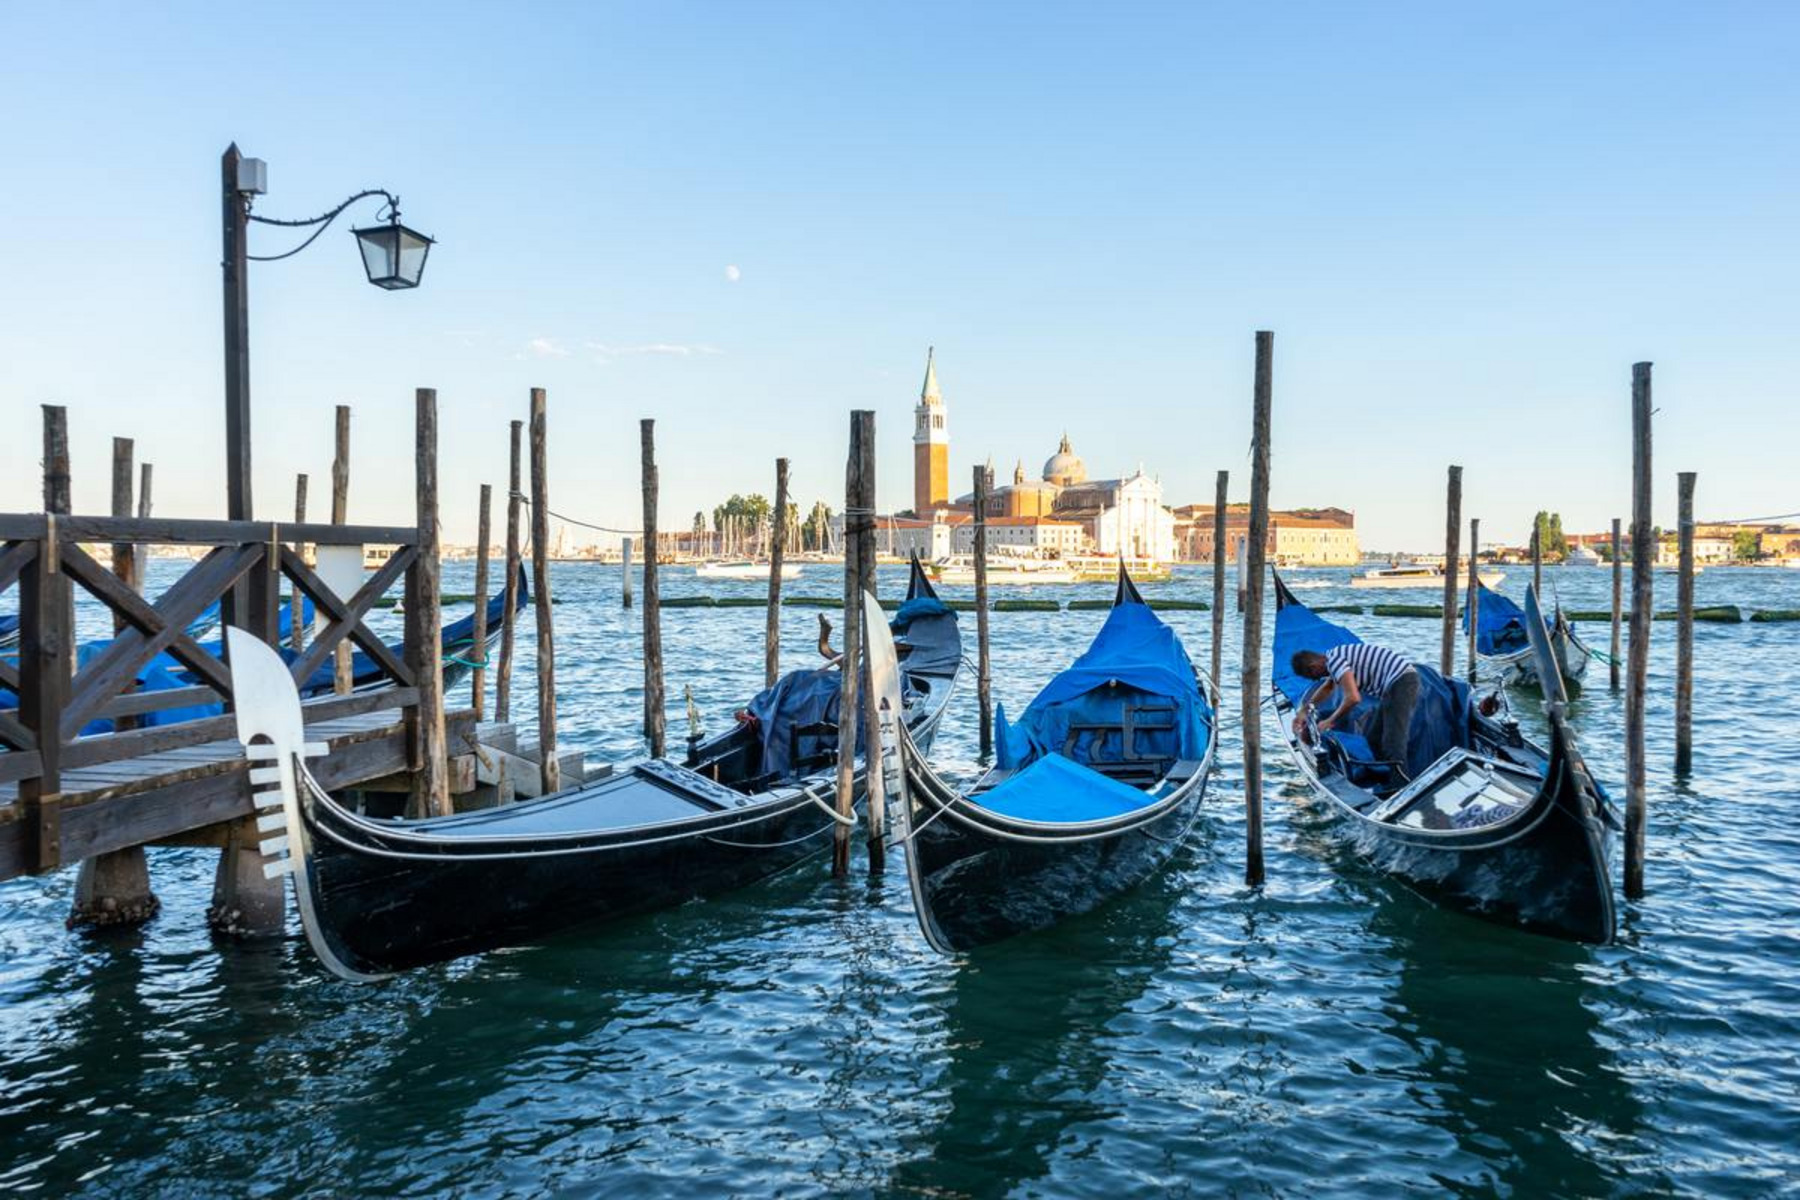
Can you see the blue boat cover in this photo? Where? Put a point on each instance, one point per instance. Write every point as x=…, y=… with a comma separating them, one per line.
x=1500, y=626
x=1440, y=719
x=1134, y=659
x=927, y=645
x=805, y=697
x=1058, y=789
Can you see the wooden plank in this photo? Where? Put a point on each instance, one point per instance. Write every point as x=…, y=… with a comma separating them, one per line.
x=178, y=531
x=14, y=558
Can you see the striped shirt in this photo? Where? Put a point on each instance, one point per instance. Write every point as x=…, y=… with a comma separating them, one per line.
x=1376, y=667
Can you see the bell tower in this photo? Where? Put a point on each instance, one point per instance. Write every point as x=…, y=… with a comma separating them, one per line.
x=931, y=446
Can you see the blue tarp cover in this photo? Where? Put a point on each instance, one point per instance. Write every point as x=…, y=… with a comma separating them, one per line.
x=1500, y=625
x=1440, y=720
x=804, y=697
x=1057, y=789
x=932, y=646
x=1139, y=654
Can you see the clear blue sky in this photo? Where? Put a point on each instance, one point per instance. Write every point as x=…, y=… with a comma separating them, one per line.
x=1463, y=222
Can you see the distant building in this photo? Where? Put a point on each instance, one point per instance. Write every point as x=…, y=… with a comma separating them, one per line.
x=1042, y=537
x=1300, y=537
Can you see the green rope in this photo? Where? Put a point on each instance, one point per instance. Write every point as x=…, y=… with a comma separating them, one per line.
x=460, y=661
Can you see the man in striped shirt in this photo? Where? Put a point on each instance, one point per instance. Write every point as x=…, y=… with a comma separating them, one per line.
x=1357, y=670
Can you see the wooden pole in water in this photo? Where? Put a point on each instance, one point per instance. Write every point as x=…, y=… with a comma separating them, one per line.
x=1537, y=562
x=1618, y=598
x=297, y=634
x=550, y=770
x=777, y=549
x=856, y=519
x=509, y=618
x=984, y=681
x=1452, y=564
x=654, y=717
x=1472, y=605
x=484, y=531
x=1241, y=542
x=143, y=512
x=424, y=611
x=124, y=556
x=1250, y=670
x=1684, y=631
x=866, y=561
x=1643, y=560
x=625, y=556
x=1218, y=595
x=340, y=515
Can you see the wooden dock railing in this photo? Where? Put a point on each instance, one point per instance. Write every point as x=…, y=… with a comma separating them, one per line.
x=42, y=555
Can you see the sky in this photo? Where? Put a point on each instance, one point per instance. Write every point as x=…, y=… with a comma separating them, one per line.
x=1464, y=223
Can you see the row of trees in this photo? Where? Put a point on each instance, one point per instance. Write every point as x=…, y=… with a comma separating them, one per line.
x=747, y=518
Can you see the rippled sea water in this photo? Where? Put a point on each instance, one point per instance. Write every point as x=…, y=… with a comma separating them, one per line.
x=1329, y=1034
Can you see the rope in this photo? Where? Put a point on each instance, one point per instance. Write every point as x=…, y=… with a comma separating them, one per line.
x=567, y=520
x=848, y=821
x=477, y=664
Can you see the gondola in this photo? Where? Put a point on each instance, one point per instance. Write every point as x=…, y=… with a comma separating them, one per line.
x=1092, y=790
x=1504, y=646
x=1479, y=818
x=377, y=897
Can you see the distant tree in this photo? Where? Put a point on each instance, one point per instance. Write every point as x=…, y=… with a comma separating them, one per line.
x=1551, y=540
x=750, y=511
x=1746, y=544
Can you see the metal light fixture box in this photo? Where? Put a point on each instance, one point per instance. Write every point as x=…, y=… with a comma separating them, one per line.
x=252, y=177
x=393, y=255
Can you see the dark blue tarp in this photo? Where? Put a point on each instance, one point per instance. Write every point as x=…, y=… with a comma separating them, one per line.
x=1056, y=789
x=798, y=699
x=1440, y=720
x=927, y=645
x=1500, y=626
x=1134, y=659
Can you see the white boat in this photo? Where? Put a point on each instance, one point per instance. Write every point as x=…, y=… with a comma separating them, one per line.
x=744, y=569
x=1581, y=556
x=1415, y=575
x=1002, y=570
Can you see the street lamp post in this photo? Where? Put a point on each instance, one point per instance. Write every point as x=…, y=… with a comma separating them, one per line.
x=393, y=258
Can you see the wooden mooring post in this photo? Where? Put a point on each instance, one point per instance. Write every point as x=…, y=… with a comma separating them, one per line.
x=1250, y=670
x=111, y=888
x=1684, y=629
x=1218, y=574
x=1452, y=563
x=866, y=561
x=340, y=515
x=654, y=716
x=1618, y=599
x=296, y=603
x=856, y=522
x=515, y=483
x=626, y=550
x=984, y=681
x=550, y=770
x=777, y=550
x=484, y=532
x=1241, y=583
x=430, y=794
x=143, y=512
x=1472, y=605
x=1643, y=565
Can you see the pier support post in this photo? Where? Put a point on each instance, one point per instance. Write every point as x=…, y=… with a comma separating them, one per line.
x=655, y=718
x=1250, y=670
x=245, y=902
x=1472, y=605
x=550, y=770
x=1643, y=564
x=424, y=620
x=777, y=550
x=1218, y=575
x=1684, y=630
x=114, y=888
x=984, y=681
x=515, y=483
x=1619, y=603
x=484, y=536
x=340, y=515
x=1452, y=563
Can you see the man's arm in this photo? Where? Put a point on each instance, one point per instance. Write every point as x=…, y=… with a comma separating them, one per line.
x=1349, y=694
x=1310, y=702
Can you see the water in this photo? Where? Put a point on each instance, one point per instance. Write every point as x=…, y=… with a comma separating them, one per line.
x=1328, y=1035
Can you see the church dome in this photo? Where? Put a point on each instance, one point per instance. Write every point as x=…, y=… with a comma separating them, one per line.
x=1065, y=466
